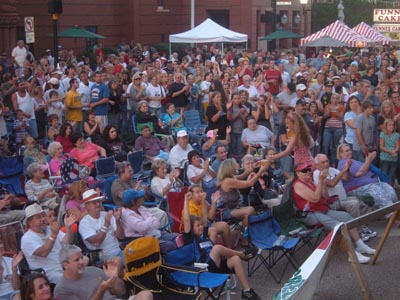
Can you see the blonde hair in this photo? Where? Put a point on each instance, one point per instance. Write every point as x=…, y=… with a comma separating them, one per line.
x=27, y=138
x=386, y=123
x=157, y=163
x=339, y=149
x=227, y=169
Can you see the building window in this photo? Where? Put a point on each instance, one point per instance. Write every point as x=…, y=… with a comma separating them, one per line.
x=91, y=42
x=219, y=16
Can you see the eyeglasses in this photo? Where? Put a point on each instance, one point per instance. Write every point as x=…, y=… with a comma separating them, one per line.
x=136, y=79
x=306, y=170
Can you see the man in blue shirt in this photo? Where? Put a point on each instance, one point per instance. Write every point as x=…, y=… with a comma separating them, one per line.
x=99, y=103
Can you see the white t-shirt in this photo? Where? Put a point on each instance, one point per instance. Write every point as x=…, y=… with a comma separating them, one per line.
x=338, y=189
x=31, y=241
x=6, y=287
x=154, y=91
x=89, y=226
x=262, y=135
x=85, y=92
x=178, y=155
x=19, y=55
x=193, y=171
x=251, y=90
x=205, y=86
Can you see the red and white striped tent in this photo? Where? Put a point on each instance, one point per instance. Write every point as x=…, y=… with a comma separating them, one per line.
x=373, y=34
x=338, y=30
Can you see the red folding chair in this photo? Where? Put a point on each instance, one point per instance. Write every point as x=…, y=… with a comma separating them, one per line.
x=175, y=206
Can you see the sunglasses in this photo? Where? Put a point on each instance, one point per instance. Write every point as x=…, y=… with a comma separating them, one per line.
x=306, y=170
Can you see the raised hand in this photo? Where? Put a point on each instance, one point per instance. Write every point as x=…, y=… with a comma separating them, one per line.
x=17, y=258
x=107, y=218
x=70, y=219
x=54, y=228
x=188, y=196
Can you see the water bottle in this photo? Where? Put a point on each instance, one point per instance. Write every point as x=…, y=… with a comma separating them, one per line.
x=229, y=286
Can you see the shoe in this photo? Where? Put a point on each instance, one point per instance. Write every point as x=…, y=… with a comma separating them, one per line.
x=249, y=253
x=364, y=237
x=250, y=294
x=364, y=249
x=361, y=258
x=368, y=232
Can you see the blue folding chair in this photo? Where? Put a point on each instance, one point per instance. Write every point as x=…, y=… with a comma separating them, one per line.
x=211, y=283
x=105, y=167
x=195, y=128
x=263, y=232
x=144, y=270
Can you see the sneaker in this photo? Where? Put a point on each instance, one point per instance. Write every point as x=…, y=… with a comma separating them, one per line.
x=249, y=253
x=364, y=249
x=368, y=232
x=364, y=237
x=361, y=258
x=250, y=294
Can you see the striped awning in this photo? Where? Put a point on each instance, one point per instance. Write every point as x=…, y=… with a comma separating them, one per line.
x=371, y=33
x=338, y=30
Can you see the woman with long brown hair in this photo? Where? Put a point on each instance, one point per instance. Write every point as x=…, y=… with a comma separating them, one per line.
x=300, y=142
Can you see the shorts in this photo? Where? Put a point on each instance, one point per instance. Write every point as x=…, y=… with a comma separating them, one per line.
x=223, y=268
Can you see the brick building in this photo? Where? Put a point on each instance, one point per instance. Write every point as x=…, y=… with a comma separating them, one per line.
x=144, y=21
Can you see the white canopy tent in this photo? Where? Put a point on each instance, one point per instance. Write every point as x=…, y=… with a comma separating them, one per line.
x=208, y=32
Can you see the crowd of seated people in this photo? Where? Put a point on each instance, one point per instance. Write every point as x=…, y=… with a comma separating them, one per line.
x=266, y=126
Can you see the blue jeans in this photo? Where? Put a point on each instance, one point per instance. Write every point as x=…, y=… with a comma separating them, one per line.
x=235, y=146
x=33, y=132
x=389, y=168
x=331, y=141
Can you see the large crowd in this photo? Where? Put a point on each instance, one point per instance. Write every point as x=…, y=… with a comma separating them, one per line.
x=326, y=123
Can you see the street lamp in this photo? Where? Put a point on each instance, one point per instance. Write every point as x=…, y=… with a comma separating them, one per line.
x=297, y=19
x=284, y=19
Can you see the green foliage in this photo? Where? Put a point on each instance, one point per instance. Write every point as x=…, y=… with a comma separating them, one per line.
x=355, y=11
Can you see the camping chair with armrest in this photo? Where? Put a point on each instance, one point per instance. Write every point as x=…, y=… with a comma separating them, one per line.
x=290, y=221
x=195, y=128
x=211, y=283
x=105, y=167
x=137, y=128
x=263, y=234
x=144, y=271
x=136, y=160
x=12, y=178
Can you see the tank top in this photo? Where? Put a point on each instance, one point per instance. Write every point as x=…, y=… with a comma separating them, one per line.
x=320, y=206
x=26, y=105
x=230, y=199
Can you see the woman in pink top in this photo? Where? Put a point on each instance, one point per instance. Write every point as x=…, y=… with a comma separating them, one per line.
x=300, y=142
x=85, y=153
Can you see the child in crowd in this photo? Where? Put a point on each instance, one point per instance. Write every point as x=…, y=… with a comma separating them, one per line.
x=32, y=151
x=389, y=142
x=220, y=259
x=54, y=128
x=21, y=127
x=237, y=115
x=215, y=228
x=55, y=105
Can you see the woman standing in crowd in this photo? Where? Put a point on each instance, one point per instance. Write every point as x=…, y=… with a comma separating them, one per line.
x=353, y=109
x=216, y=114
x=92, y=128
x=300, y=141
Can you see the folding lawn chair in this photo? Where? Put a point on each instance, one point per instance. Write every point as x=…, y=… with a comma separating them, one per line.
x=9, y=234
x=175, y=206
x=195, y=128
x=136, y=159
x=145, y=271
x=105, y=167
x=12, y=177
x=263, y=234
x=291, y=225
x=211, y=283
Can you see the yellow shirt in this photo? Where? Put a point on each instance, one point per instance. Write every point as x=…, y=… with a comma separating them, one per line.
x=73, y=99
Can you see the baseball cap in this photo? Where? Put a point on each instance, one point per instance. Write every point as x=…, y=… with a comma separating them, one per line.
x=182, y=133
x=58, y=72
x=336, y=77
x=32, y=210
x=301, y=87
x=53, y=81
x=90, y=195
x=210, y=133
x=130, y=194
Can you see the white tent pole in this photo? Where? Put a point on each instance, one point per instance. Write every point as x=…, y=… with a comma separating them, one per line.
x=222, y=50
x=192, y=5
x=169, y=51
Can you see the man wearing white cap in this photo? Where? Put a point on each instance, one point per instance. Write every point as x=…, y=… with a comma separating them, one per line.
x=178, y=153
x=301, y=91
x=42, y=242
x=100, y=229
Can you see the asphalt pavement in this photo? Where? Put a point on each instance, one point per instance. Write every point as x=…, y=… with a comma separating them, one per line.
x=339, y=280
